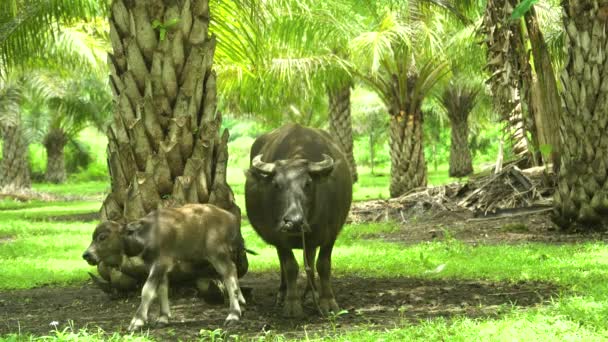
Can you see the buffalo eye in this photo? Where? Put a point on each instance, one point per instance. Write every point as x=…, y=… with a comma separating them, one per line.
x=276, y=185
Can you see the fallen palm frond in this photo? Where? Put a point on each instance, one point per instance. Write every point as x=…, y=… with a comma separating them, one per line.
x=507, y=192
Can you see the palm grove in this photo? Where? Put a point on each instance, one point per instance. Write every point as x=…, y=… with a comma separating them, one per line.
x=540, y=64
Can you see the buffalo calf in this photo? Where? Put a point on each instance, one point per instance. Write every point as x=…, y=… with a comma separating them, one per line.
x=167, y=238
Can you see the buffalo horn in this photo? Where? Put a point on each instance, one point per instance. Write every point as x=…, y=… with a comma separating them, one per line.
x=261, y=166
x=325, y=165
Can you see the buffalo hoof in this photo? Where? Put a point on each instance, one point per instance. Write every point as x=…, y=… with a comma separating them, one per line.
x=162, y=321
x=293, y=309
x=280, y=299
x=231, y=320
x=328, y=305
x=315, y=295
x=136, y=324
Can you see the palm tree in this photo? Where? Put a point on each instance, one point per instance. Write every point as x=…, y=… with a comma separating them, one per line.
x=394, y=64
x=54, y=109
x=75, y=95
x=504, y=48
x=27, y=31
x=340, y=122
x=14, y=167
x=164, y=144
x=525, y=96
x=287, y=50
x=72, y=105
x=27, y=25
x=544, y=102
x=581, y=198
x=458, y=101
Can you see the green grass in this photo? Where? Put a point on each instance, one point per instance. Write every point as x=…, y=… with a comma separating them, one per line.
x=35, y=252
x=530, y=326
x=89, y=188
x=41, y=210
x=523, y=326
x=49, y=253
x=43, y=252
x=527, y=326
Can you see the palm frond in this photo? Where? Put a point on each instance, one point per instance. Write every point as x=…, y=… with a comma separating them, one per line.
x=458, y=100
x=26, y=25
x=549, y=17
x=10, y=98
x=285, y=50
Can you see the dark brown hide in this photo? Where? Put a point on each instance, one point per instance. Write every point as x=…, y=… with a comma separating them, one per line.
x=292, y=191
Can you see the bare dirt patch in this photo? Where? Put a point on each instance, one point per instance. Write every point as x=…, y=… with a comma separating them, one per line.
x=381, y=302
x=426, y=223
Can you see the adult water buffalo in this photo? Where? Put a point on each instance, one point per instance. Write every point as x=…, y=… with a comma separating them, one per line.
x=299, y=181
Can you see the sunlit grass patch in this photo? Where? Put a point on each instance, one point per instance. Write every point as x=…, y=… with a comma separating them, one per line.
x=69, y=335
x=516, y=326
x=527, y=326
x=89, y=188
x=43, y=253
x=11, y=204
x=41, y=210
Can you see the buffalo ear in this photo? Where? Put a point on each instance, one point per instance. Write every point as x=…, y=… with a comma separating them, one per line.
x=113, y=225
x=132, y=228
x=256, y=174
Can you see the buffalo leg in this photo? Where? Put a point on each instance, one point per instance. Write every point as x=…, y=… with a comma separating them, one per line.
x=309, y=264
x=283, y=285
x=293, y=304
x=148, y=293
x=327, y=301
x=227, y=269
x=163, y=293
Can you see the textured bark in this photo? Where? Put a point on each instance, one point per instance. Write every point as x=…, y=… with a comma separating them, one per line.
x=164, y=146
x=54, y=143
x=508, y=65
x=545, y=95
x=581, y=198
x=164, y=143
x=14, y=166
x=408, y=166
x=458, y=101
x=340, y=124
x=461, y=164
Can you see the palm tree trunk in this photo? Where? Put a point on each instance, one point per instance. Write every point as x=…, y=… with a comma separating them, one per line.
x=461, y=164
x=545, y=94
x=408, y=166
x=503, y=40
x=371, y=152
x=54, y=143
x=581, y=198
x=14, y=166
x=164, y=144
x=340, y=123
